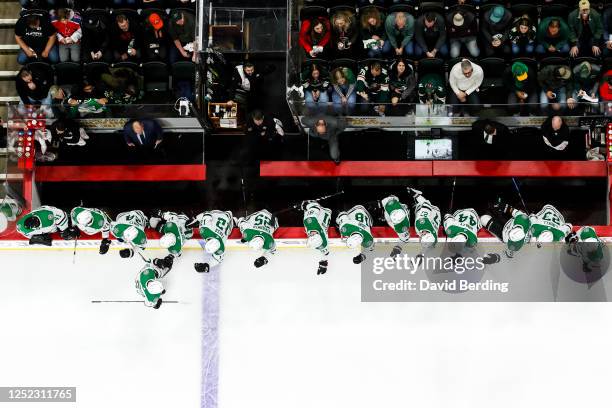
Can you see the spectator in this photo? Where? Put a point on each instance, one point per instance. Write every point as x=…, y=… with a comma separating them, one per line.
x=67, y=23
x=607, y=23
x=266, y=132
x=122, y=86
x=344, y=33
x=86, y=98
x=126, y=39
x=586, y=82
x=399, y=27
x=401, y=82
x=59, y=101
x=430, y=36
x=96, y=40
x=432, y=89
x=68, y=132
x=521, y=83
x=462, y=30
x=33, y=86
x=373, y=32
x=246, y=86
x=555, y=135
x=522, y=36
x=326, y=129
x=315, y=81
x=182, y=32
x=343, y=93
x=36, y=39
x=142, y=133
x=554, y=81
x=496, y=24
x=155, y=38
x=585, y=31
x=490, y=140
x=605, y=89
x=465, y=79
x=315, y=35
x=373, y=86
x=553, y=37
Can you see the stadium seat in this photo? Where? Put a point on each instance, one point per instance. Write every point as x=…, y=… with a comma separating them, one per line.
x=555, y=10
x=345, y=62
x=127, y=64
x=553, y=61
x=430, y=66
x=580, y=60
x=156, y=75
x=183, y=71
x=68, y=73
x=129, y=13
x=402, y=7
x=492, y=88
x=42, y=66
x=312, y=11
x=94, y=70
x=34, y=12
x=148, y=11
x=430, y=6
x=521, y=9
x=95, y=12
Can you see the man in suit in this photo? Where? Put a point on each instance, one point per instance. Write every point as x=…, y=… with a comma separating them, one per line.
x=490, y=140
x=143, y=133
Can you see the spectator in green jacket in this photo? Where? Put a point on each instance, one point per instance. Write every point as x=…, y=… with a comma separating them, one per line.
x=373, y=86
x=556, y=84
x=586, y=82
x=553, y=35
x=399, y=27
x=585, y=31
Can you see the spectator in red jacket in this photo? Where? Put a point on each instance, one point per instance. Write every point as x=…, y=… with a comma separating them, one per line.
x=67, y=23
x=315, y=35
x=605, y=90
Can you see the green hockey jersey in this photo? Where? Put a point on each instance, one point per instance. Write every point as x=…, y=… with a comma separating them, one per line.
x=52, y=219
x=402, y=228
x=357, y=220
x=550, y=219
x=10, y=208
x=317, y=219
x=589, y=253
x=259, y=224
x=464, y=221
x=175, y=224
x=147, y=273
x=128, y=219
x=101, y=222
x=427, y=218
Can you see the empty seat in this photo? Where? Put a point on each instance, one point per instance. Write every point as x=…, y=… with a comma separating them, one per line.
x=156, y=76
x=183, y=71
x=94, y=70
x=68, y=73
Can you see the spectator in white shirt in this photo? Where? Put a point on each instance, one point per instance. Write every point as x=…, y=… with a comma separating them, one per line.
x=465, y=79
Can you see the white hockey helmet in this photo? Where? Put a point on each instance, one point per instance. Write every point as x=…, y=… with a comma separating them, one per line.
x=84, y=218
x=212, y=245
x=427, y=240
x=130, y=234
x=397, y=216
x=256, y=243
x=314, y=240
x=546, y=237
x=354, y=241
x=155, y=287
x=516, y=238
x=167, y=240
x=3, y=222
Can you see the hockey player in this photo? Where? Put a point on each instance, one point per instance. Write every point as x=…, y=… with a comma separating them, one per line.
x=586, y=244
x=175, y=232
x=427, y=219
x=316, y=223
x=548, y=225
x=215, y=228
x=149, y=286
x=93, y=221
x=397, y=216
x=356, y=230
x=258, y=231
x=509, y=225
x=39, y=224
x=9, y=210
x=129, y=227
x=461, y=229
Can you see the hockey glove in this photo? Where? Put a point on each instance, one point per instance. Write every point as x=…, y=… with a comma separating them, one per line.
x=126, y=253
x=104, y=245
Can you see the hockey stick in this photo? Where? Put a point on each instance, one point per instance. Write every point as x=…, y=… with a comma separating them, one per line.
x=452, y=198
x=76, y=239
x=518, y=191
x=296, y=206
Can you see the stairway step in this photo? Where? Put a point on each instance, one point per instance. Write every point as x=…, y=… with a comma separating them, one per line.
x=10, y=10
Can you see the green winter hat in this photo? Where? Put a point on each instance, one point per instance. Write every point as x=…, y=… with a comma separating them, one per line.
x=520, y=70
x=584, y=70
x=497, y=14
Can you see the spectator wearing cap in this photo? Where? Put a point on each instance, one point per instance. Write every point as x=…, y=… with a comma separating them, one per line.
x=430, y=36
x=521, y=83
x=95, y=44
x=465, y=78
x=67, y=23
x=126, y=39
x=155, y=38
x=495, y=26
x=555, y=82
x=586, y=82
x=182, y=33
x=522, y=36
x=36, y=39
x=585, y=31
x=553, y=37
x=399, y=27
x=315, y=35
x=432, y=89
x=555, y=138
x=462, y=31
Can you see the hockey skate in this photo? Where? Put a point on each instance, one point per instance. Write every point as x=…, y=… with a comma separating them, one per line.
x=395, y=251
x=359, y=259
x=322, y=268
